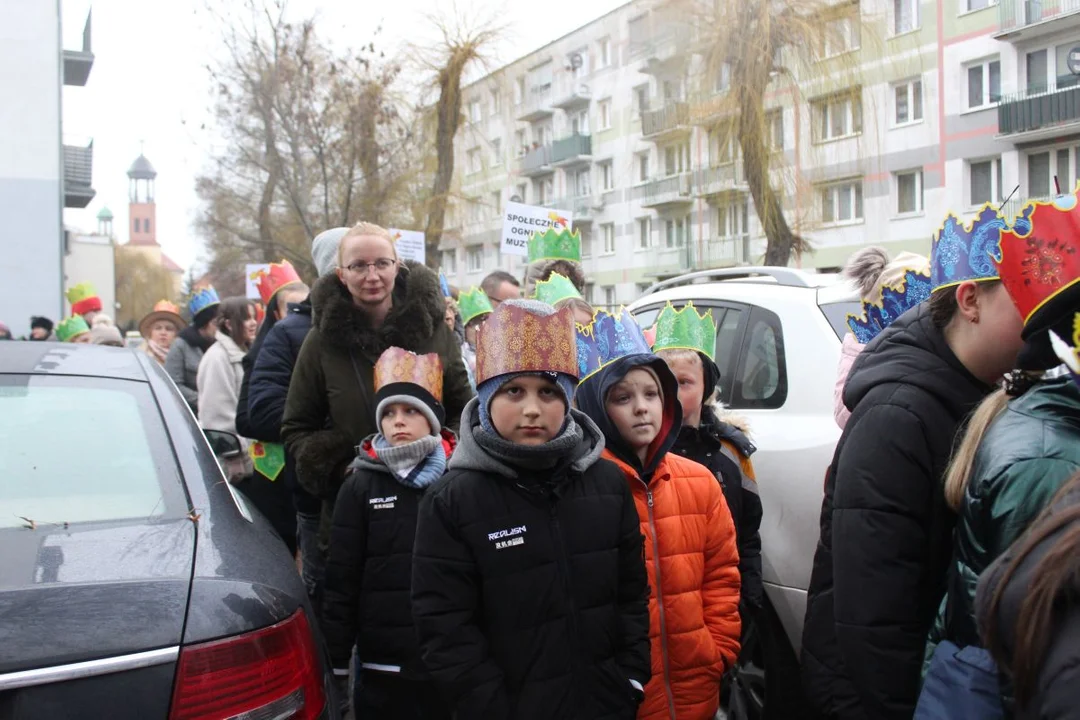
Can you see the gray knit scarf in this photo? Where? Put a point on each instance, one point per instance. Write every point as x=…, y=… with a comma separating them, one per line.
x=541, y=457
x=416, y=464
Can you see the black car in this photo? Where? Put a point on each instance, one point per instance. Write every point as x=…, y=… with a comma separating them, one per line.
x=134, y=581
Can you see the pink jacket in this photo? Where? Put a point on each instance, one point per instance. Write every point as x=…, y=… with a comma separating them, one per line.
x=848, y=352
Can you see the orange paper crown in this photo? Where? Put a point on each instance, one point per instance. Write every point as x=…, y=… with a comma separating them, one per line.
x=1040, y=258
x=279, y=275
x=401, y=366
x=513, y=339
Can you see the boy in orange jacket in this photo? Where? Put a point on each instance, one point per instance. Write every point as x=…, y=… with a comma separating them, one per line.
x=690, y=545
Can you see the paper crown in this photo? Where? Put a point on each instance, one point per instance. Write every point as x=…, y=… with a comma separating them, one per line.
x=83, y=298
x=444, y=285
x=962, y=252
x=401, y=366
x=270, y=281
x=555, y=245
x=557, y=287
x=70, y=328
x=1040, y=255
x=896, y=299
x=685, y=329
x=204, y=298
x=606, y=339
x=1069, y=354
x=513, y=339
x=472, y=304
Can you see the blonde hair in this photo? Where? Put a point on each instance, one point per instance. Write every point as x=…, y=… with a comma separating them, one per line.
x=958, y=475
x=669, y=356
x=361, y=229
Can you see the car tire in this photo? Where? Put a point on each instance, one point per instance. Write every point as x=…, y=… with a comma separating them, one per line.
x=765, y=682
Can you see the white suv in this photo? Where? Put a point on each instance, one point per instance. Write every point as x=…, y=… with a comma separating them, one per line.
x=777, y=345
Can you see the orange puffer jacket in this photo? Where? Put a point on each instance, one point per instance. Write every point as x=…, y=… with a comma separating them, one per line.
x=694, y=621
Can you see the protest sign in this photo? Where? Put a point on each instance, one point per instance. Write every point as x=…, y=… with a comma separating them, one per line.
x=410, y=244
x=521, y=221
x=252, y=271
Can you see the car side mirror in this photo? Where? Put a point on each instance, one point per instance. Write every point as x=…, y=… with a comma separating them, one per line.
x=224, y=444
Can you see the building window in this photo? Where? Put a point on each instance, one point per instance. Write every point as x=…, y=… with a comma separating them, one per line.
x=1037, y=71
x=146, y=224
x=522, y=191
x=579, y=123
x=676, y=159
x=1064, y=77
x=582, y=186
x=496, y=152
x=905, y=16
x=909, y=192
x=732, y=220
x=586, y=242
x=605, y=114
x=449, y=262
x=607, y=176
x=724, y=146
x=675, y=231
x=544, y=191
x=908, y=99
x=608, y=232
x=641, y=98
x=838, y=116
x=521, y=145
x=775, y=120
x=519, y=90
x=643, y=167
x=984, y=84
x=722, y=79
x=841, y=34
x=473, y=158
x=474, y=259
x=590, y=293
x=1039, y=173
x=841, y=202
x=672, y=91
x=972, y=5
x=474, y=111
x=644, y=233
x=985, y=181
x=609, y=297
x=496, y=102
x=496, y=203
x=603, y=52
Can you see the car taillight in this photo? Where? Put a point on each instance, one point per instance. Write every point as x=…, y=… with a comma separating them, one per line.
x=269, y=673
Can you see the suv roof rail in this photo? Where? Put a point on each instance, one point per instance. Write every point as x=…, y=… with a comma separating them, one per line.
x=782, y=275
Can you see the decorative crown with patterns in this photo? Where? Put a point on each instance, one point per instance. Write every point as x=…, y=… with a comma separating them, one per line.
x=166, y=306
x=204, y=298
x=557, y=287
x=896, y=299
x=1069, y=354
x=513, y=340
x=472, y=304
x=1040, y=258
x=70, y=328
x=270, y=281
x=83, y=298
x=685, y=329
x=401, y=366
x=555, y=245
x=606, y=339
x=963, y=252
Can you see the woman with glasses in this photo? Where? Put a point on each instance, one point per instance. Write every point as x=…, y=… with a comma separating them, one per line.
x=373, y=301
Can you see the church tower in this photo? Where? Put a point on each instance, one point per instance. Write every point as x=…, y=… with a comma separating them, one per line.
x=143, y=230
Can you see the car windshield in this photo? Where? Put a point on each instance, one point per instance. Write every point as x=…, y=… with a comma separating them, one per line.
x=836, y=313
x=82, y=449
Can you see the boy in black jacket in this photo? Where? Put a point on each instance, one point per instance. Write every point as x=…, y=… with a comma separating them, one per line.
x=369, y=570
x=529, y=586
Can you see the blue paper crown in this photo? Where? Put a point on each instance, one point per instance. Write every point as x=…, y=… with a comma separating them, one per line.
x=967, y=252
x=606, y=339
x=206, y=297
x=897, y=299
x=444, y=285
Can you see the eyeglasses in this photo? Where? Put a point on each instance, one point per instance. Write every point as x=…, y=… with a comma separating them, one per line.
x=363, y=268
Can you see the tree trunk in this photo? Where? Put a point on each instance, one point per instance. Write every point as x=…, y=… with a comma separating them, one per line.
x=449, y=115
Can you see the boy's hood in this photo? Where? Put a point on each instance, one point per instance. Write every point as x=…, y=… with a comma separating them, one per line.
x=470, y=456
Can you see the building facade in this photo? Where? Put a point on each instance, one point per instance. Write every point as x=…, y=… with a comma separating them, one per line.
x=39, y=174
x=91, y=258
x=950, y=104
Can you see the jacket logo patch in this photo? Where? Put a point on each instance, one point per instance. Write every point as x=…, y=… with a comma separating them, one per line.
x=507, y=538
x=382, y=503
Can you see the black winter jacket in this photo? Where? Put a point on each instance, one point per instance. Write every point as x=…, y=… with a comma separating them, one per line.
x=530, y=600
x=725, y=451
x=880, y=565
x=269, y=387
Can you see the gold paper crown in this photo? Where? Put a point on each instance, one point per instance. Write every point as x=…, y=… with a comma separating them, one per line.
x=401, y=366
x=555, y=245
x=516, y=340
x=472, y=304
x=557, y=287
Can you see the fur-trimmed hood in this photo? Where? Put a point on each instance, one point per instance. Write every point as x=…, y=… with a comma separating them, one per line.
x=418, y=309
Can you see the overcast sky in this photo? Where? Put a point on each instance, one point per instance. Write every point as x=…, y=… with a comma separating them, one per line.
x=149, y=85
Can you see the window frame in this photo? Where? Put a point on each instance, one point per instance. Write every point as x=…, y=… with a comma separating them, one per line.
x=608, y=248
x=448, y=261
x=607, y=176
x=644, y=233
x=473, y=160
x=996, y=192
x=496, y=152
x=986, y=96
x=920, y=192
x=603, y=53
x=471, y=252
x=911, y=96
x=913, y=6
x=858, y=202
x=604, y=111
x=823, y=110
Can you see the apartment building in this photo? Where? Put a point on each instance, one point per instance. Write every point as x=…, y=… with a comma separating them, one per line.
x=949, y=104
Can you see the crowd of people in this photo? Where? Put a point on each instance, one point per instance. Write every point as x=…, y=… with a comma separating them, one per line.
x=505, y=503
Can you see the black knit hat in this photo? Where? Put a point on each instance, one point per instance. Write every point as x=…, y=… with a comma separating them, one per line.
x=410, y=394
x=43, y=323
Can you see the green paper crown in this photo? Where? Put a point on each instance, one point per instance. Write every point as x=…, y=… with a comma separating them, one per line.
x=555, y=245
x=472, y=304
x=557, y=287
x=80, y=292
x=685, y=329
x=70, y=328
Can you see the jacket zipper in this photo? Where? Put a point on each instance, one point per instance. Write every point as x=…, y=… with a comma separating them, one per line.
x=660, y=602
x=564, y=576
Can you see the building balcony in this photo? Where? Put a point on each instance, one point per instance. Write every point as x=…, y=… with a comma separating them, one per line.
x=1015, y=206
x=712, y=110
x=668, y=262
x=719, y=180
x=720, y=252
x=537, y=105
x=1036, y=115
x=575, y=95
x=77, y=63
x=665, y=192
x=672, y=119
x=581, y=207
x=1029, y=19
x=78, y=175
x=571, y=150
x=535, y=162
